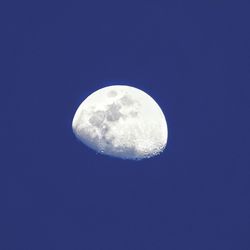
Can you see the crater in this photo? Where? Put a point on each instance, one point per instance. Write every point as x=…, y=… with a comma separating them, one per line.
x=112, y=93
x=113, y=113
x=127, y=100
x=97, y=118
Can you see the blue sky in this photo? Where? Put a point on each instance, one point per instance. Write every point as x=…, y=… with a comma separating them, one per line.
x=192, y=57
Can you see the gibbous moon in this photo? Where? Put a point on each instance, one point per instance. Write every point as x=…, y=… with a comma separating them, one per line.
x=121, y=121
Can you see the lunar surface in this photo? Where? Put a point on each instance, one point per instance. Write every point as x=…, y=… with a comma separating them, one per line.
x=121, y=121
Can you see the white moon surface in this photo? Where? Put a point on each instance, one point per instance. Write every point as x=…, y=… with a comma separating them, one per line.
x=121, y=121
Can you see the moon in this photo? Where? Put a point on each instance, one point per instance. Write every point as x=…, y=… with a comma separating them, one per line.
x=121, y=121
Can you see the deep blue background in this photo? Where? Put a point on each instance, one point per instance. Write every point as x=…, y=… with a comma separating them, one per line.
x=192, y=57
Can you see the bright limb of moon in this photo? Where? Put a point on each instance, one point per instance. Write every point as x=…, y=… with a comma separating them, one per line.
x=121, y=121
